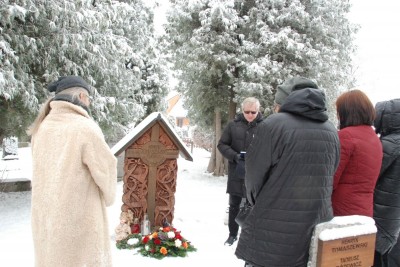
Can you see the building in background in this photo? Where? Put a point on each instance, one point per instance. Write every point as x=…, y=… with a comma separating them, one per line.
x=177, y=115
x=175, y=109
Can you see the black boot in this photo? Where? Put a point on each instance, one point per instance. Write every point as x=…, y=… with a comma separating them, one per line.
x=231, y=239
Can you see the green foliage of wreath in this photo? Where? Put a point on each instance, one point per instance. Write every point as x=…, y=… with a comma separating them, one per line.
x=166, y=241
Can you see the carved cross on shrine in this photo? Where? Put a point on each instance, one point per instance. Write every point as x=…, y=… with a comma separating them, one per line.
x=153, y=154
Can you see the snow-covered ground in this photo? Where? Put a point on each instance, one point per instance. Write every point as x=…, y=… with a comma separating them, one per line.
x=200, y=208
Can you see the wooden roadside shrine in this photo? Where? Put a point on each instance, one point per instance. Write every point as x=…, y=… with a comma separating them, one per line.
x=150, y=168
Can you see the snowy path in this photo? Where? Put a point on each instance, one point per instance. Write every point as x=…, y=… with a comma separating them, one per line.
x=200, y=207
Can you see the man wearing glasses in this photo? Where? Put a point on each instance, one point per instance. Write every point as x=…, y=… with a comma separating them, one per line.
x=233, y=144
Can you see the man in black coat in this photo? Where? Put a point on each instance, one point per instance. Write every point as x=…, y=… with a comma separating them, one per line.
x=387, y=190
x=233, y=144
x=289, y=176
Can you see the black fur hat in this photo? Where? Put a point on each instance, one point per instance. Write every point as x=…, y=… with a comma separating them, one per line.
x=66, y=82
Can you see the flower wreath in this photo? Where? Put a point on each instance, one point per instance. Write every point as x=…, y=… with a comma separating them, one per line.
x=167, y=241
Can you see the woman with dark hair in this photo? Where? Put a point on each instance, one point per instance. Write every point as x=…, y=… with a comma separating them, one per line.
x=360, y=156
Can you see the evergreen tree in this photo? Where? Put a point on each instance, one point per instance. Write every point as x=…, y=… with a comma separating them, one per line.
x=154, y=80
x=205, y=49
x=225, y=51
x=306, y=38
x=105, y=42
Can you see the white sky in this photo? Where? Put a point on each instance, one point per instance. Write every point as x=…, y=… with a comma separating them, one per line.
x=378, y=40
x=159, y=14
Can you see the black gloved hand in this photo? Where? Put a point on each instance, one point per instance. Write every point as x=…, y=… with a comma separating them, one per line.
x=251, y=201
x=238, y=157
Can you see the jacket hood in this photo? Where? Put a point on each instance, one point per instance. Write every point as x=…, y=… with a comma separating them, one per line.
x=293, y=84
x=308, y=102
x=387, y=117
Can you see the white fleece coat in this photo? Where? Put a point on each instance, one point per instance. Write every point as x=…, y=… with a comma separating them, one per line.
x=74, y=179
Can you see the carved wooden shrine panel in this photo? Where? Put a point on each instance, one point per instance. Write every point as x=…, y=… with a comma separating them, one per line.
x=150, y=172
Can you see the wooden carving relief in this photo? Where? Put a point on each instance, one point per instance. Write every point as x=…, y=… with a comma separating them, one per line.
x=144, y=139
x=150, y=176
x=135, y=187
x=165, y=191
x=166, y=141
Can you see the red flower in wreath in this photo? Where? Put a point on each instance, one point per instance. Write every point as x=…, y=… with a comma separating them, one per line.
x=166, y=241
x=178, y=235
x=145, y=239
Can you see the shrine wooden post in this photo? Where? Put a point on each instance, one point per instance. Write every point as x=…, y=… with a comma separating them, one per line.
x=150, y=169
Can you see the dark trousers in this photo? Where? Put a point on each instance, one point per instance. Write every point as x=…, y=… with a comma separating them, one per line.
x=234, y=205
x=394, y=255
x=380, y=260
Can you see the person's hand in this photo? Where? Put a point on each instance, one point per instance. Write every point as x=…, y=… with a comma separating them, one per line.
x=251, y=200
x=238, y=157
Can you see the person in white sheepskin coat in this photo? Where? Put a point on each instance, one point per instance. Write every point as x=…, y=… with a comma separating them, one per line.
x=74, y=179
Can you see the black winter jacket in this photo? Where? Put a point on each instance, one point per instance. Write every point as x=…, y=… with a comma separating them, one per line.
x=289, y=176
x=387, y=190
x=235, y=138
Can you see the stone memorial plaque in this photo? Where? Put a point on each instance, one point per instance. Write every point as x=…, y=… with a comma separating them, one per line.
x=355, y=251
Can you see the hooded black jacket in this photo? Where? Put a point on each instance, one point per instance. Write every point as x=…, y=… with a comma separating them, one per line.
x=235, y=138
x=289, y=175
x=387, y=190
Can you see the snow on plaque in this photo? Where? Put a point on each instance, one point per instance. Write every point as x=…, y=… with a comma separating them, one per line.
x=345, y=241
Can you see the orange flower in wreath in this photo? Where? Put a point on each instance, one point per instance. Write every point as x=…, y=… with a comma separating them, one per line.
x=185, y=245
x=163, y=251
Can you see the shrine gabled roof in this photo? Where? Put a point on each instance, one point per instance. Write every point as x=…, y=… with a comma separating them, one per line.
x=146, y=124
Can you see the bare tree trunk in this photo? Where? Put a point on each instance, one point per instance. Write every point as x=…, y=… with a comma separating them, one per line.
x=232, y=114
x=219, y=160
x=232, y=105
x=211, y=163
x=217, y=164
